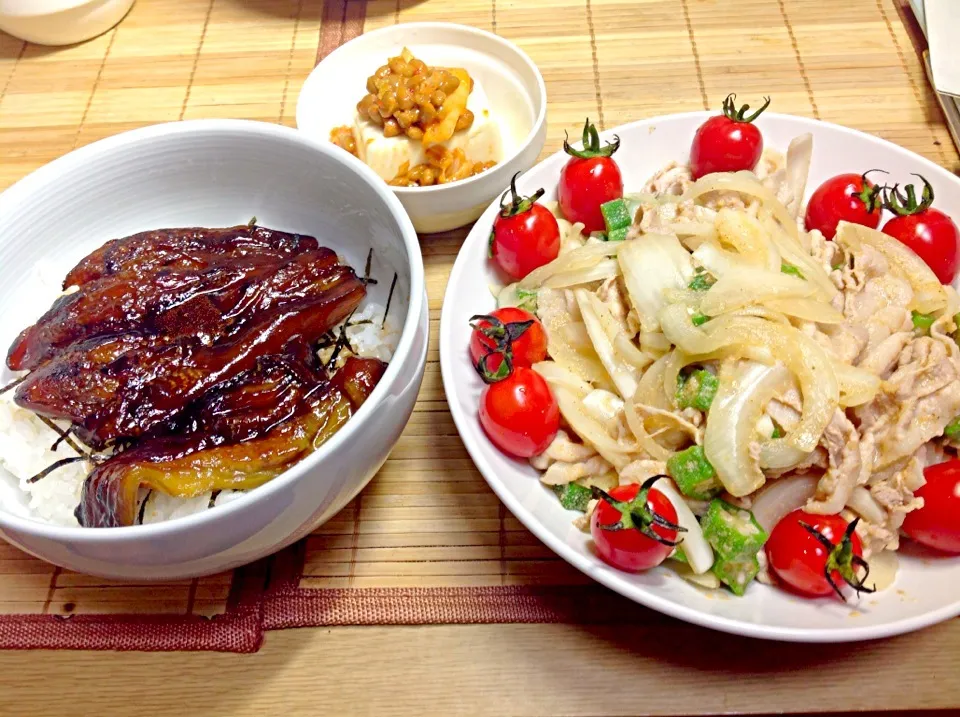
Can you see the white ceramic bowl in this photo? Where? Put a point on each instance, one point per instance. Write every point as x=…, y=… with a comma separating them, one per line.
x=60, y=22
x=513, y=83
x=217, y=173
x=927, y=589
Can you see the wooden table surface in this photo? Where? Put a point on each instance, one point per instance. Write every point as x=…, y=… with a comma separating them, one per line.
x=53, y=100
x=490, y=670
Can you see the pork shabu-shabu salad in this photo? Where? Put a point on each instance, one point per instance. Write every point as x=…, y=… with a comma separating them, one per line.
x=717, y=375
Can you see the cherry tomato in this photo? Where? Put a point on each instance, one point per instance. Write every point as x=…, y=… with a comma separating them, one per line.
x=937, y=523
x=728, y=142
x=508, y=332
x=847, y=197
x=519, y=414
x=929, y=232
x=800, y=555
x=590, y=178
x=525, y=234
x=624, y=530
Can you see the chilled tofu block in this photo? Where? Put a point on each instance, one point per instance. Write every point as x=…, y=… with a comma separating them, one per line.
x=482, y=142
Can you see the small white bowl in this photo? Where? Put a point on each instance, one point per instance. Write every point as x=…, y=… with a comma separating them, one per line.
x=217, y=173
x=513, y=83
x=60, y=22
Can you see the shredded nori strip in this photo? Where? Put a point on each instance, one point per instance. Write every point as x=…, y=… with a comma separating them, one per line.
x=213, y=499
x=13, y=384
x=342, y=342
x=51, y=468
x=63, y=436
x=143, y=507
x=366, y=268
x=393, y=285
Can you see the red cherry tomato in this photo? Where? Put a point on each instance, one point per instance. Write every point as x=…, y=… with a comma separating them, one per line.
x=799, y=556
x=623, y=529
x=519, y=414
x=937, y=523
x=847, y=197
x=929, y=232
x=510, y=332
x=727, y=143
x=590, y=178
x=525, y=234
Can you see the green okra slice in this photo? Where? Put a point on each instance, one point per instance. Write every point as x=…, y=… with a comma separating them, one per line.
x=573, y=496
x=616, y=215
x=738, y=572
x=731, y=531
x=618, y=234
x=697, y=390
x=693, y=474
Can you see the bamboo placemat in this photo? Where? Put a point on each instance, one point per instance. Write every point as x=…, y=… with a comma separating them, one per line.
x=427, y=541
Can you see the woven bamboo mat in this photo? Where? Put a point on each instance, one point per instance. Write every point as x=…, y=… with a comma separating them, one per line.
x=427, y=541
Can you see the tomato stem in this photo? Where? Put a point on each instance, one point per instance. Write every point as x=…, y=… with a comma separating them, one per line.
x=518, y=204
x=905, y=204
x=591, y=144
x=502, y=335
x=872, y=194
x=841, y=559
x=637, y=514
x=740, y=115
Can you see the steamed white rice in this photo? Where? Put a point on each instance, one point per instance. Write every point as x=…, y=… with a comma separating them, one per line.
x=25, y=441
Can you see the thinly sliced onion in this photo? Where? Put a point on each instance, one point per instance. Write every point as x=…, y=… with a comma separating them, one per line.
x=762, y=312
x=604, y=269
x=792, y=252
x=695, y=547
x=654, y=341
x=599, y=323
x=630, y=353
x=777, y=454
x=807, y=310
x=555, y=316
x=863, y=503
x=716, y=260
x=557, y=375
x=799, y=154
x=745, y=234
x=782, y=496
x=650, y=266
x=745, y=388
x=649, y=392
x=604, y=406
x=928, y=293
x=591, y=430
x=744, y=183
x=803, y=356
x=737, y=289
x=580, y=259
x=857, y=386
x=575, y=334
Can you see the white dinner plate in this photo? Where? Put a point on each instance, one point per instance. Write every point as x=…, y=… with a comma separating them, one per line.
x=927, y=589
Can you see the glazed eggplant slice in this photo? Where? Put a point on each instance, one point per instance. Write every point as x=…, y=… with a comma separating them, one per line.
x=188, y=466
x=114, y=393
x=190, y=248
x=172, y=301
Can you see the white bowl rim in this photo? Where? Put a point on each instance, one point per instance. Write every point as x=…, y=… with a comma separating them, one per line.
x=78, y=157
x=469, y=30
x=585, y=563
